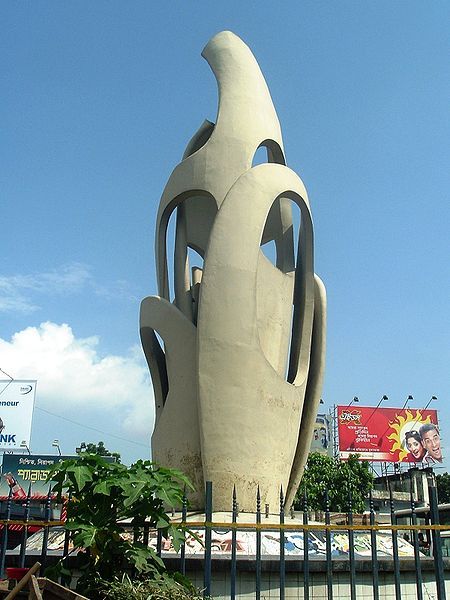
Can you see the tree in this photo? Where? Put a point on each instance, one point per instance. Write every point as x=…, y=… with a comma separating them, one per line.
x=340, y=479
x=103, y=494
x=443, y=487
x=99, y=449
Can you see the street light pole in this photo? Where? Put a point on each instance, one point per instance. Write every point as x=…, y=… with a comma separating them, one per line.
x=23, y=444
x=336, y=428
x=55, y=444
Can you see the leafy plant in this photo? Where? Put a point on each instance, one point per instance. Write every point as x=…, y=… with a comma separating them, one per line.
x=102, y=496
x=340, y=479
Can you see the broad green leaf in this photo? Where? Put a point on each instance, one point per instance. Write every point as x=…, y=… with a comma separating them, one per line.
x=133, y=494
x=103, y=487
x=86, y=537
x=82, y=474
x=177, y=536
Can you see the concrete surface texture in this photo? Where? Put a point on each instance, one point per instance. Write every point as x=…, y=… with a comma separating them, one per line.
x=238, y=375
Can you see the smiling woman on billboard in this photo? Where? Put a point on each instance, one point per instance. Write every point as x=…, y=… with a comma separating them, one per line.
x=413, y=442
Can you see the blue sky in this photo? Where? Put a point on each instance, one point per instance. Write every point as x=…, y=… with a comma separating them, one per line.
x=98, y=101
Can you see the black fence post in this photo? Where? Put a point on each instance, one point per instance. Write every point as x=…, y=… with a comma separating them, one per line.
x=48, y=506
x=351, y=548
x=258, y=544
x=233, y=546
x=26, y=518
x=5, y=534
x=373, y=544
x=146, y=533
x=398, y=591
x=415, y=538
x=136, y=529
x=208, y=519
x=282, y=558
x=305, y=549
x=183, y=545
x=436, y=537
x=328, y=548
x=159, y=542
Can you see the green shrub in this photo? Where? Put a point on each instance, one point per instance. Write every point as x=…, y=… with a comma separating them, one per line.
x=163, y=587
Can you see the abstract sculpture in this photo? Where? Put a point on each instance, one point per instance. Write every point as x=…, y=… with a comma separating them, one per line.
x=238, y=376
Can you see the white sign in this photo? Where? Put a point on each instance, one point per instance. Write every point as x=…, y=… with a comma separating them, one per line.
x=16, y=413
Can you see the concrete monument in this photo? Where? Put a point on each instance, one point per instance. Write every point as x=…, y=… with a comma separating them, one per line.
x=238, y=374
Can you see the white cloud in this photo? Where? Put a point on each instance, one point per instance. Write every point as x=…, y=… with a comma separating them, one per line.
x=70, y=372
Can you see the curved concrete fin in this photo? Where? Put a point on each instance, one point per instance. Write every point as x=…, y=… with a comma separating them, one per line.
x=313, y=390
x=245, y=105
x=156, y=360
x=178, y=334
x=303, y=306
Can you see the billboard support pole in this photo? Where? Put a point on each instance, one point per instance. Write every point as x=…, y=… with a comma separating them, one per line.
x=335, y=434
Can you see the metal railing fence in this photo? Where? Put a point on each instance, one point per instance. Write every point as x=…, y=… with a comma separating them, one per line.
x=307, y=534
x=421, y=552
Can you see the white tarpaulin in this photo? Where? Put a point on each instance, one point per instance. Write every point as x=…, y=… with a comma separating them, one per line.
x=16, y=413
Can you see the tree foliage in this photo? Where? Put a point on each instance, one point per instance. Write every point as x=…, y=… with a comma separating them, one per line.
x=102, y=495
x=443, y=487
x=340, y=479
x=100, y=449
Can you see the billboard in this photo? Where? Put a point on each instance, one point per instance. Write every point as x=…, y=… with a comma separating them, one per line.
x=20, y=470
x=16, y=412
x=321, y=440
x=389, y=434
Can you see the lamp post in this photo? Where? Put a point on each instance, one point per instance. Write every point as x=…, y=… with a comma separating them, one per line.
x=23, y=444
x=406, y=401
x=55, y=444
x=430, y=401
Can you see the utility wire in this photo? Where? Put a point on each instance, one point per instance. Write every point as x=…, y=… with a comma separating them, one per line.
x=11, y=379
x=118, y=437
x=92, y=428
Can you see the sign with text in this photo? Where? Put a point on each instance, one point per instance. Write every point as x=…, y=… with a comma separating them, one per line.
x=389, y=434
x=16, y=412
x=19, y=470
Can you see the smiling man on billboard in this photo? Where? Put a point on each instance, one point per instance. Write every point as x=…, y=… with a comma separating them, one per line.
x=431, y=441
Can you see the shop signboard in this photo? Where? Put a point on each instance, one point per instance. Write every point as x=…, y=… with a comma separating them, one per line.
x=21, y=470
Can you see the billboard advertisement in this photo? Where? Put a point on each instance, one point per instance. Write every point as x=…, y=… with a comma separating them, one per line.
x=389, y=434
x=19, y=470
x=16, y=413
x=321, y=440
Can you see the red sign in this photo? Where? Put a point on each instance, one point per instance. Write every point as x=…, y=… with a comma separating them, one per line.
x=389, y=434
